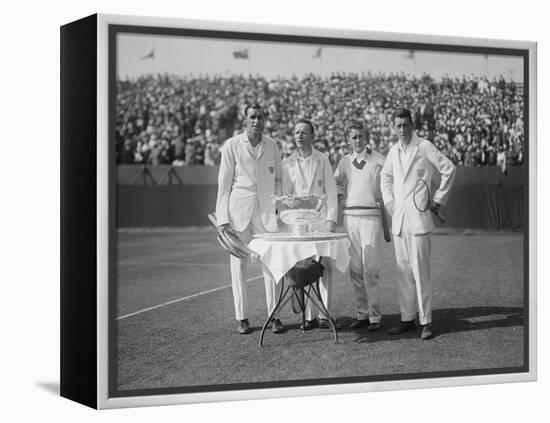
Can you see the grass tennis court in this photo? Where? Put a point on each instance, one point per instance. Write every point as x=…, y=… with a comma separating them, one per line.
x=176, y=325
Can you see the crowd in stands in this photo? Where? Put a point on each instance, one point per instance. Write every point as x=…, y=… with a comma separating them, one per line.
x=166, y=119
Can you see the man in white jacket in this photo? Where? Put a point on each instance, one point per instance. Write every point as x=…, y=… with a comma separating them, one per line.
x=250, y=172
x=410, y=161
x=307, y=171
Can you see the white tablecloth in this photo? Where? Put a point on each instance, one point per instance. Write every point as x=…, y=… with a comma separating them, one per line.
x=280, y=256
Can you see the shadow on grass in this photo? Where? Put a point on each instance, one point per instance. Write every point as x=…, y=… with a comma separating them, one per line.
x=446, y=321
x=293, y=329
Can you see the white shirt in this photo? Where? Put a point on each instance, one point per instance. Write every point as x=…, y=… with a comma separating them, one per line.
x=305, y=165
x=256, y=149
x=405, y=153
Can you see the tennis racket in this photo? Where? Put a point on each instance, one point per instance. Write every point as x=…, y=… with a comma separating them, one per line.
x=423, y=200
x=230, y=241
x=380, y=204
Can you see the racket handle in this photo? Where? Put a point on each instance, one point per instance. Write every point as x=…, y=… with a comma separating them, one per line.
x=439, y=216
x=384, y=220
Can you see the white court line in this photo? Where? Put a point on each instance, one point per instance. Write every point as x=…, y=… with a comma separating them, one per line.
x=177, y=300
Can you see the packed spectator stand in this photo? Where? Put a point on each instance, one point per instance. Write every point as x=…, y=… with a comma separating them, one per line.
x=167, y=119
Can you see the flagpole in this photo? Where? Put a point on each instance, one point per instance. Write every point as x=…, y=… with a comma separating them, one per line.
x=319, y=55
x=412, y=55
x=153, y=61
x=321, y=61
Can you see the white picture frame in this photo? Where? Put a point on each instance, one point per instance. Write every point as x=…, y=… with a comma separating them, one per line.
x=107, y=26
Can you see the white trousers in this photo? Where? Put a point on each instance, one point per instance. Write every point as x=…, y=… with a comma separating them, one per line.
x=239, y=274
x=412, y=253
x=365, y=237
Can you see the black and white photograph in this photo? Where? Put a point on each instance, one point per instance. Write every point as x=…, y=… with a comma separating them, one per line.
x=247, y=211
x=315, y=210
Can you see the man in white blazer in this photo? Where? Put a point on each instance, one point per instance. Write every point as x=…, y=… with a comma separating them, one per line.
x=307, y=171
x=408, y=161
x=250, y=172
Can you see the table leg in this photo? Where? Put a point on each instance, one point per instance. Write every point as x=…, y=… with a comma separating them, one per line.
x=278, y=306
x=323, y=309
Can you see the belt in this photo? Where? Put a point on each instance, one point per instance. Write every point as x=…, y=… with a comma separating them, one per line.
x=361, y=208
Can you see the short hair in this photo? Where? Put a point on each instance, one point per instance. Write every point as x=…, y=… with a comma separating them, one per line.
x=253, y=106
x=356, y=124
x=402, y=112
x=308, y=123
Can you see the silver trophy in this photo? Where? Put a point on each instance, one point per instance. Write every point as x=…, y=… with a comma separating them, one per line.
x=300, y=213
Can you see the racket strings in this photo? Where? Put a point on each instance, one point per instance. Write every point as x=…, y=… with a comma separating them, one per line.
x=422, y=185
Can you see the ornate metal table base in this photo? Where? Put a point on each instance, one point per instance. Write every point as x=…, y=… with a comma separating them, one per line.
x=287, y=294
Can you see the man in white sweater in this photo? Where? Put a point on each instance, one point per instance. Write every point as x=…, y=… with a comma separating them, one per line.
x=357, y=177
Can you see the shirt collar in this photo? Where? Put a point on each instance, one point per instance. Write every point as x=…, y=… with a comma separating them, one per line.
x=313, y=151
x=359, y=157
x=247, y=140
x=414, y=141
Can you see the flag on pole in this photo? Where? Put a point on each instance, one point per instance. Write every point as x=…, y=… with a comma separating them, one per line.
x=241, y=54
x=410, y=54
x=317, y=54
x=151, y=55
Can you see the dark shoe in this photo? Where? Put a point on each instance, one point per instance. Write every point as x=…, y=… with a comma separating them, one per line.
x=324, y=324
x=277, y=326
x=309, y=325
x=244, y=327
x=426, y=333
x=358, y=324
x=408, y=326
x=373, y=327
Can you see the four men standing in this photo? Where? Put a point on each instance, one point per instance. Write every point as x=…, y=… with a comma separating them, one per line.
x=251, y=171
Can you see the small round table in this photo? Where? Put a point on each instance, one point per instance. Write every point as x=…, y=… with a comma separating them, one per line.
x=279, y=252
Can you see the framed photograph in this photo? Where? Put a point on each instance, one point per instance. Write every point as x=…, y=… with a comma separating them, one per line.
x=153, y=114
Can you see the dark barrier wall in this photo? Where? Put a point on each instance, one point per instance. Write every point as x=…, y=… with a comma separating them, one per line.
x=481, y=198
x=185, y=205
x=485, y=198
x=166, y=175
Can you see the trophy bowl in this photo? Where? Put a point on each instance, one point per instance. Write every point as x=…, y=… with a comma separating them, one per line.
x=299, y=212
